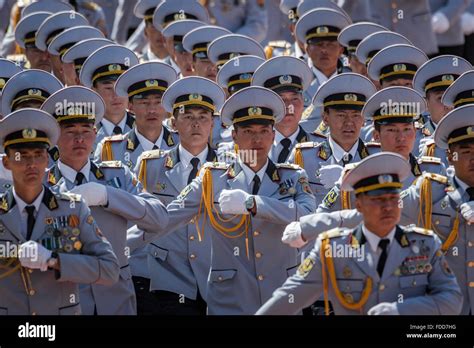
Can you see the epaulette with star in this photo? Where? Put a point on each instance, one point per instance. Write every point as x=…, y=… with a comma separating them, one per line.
x=68, y=196
x=335, y=232
x=153, y=154
x=115, y=138
x=216, y=165
x=111, y=164
x=280, y=44
x=287, y=166
x=419, y=230
x=372, y=144
x=436, y=177
x=307, y=145
x=429, y=159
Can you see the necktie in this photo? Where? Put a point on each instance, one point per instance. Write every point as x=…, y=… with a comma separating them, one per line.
x=195, y=164
x=347, y=158
x=383, y=244
x=470, y=192
x=30, y=210
x=256, y=184
x=79, y=179
x=155, y=147
x=286, y=143
x=117, y=130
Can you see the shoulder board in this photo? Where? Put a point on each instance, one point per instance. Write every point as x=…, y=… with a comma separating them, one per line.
x=318, y=133
x=111, y=164
x=115, y=138
x=288, y=166
x=67, y=196
x=153, y=154
x=436, y=177
x=216, y=165
x=90, y=5
x=372, y=144
x=420, y=230
x=279, y=44
x=429, y=159
x=307, y=145
x=336, y=232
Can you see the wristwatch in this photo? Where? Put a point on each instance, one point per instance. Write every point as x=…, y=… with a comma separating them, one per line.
x=250, y=203
x=53, y=260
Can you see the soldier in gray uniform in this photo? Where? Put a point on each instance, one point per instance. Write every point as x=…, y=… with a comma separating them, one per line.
x=144, y=85
x=178, y=264
x=385, y=269
x=351, y=36
x=156, y=49
x=7, y=70
x=247, y=257
x=319, y=29
x=109, y=188
x=24, y=37
x=432, y=79
x=237, y=73
x=342, y=99
x=52, y=27
x=289, y=77
x=99, y=72
x=75, y=56
x=395, y=131
x=57, y=242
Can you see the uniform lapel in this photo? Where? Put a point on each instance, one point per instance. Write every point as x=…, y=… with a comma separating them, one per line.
x=399, y=250
x=236, y=178
x=270, y=181
x=456, y=195
x=366, y=264
x=11, y=218
x=174, y=171
x=48, y=204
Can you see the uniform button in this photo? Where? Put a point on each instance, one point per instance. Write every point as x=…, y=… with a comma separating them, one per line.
x=413, y=283
x=395, y=21
x=219, y=278
x=382, y=287
x=33, y=313
x=256, y=233
x=471, y=264
x=258, y=255
x=156, y=254
x=191, y=237
x=260, y=277
x=32, y=292
x=471, y=244
x=437, y=222
x=192, y=256
x=30, y=271
x=471, y=284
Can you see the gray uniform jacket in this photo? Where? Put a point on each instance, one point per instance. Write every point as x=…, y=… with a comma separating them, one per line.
x=63, y=224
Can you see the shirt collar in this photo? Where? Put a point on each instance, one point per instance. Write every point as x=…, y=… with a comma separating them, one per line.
x=109, y=126
x=461, y=184
x=70, y=174
x=279, y=137
x=374, y=240
x=147, y=144
x=338, y=152
x=154, y=58
x=319, y=75
x=250, y=174
x=22, y=204
x=298, y=52
x=185, y=156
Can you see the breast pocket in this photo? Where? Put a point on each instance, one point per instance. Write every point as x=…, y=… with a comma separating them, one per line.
x=443, y=224
x=70, y=310
x=414, y=285
x=222, y=284
x=351, y=289
x=157, y=252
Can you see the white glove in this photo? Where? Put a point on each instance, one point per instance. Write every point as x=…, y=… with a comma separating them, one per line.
x=292, y=235
x=384, y=308
x=93, y=193
x=440, y=23
x=467, y=211
x=233, y=202
x=467, y=23
x=33, y=255
x=329, y=175
x=424, y=143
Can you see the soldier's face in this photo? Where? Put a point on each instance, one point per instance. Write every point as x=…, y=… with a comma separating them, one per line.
x=345, y=125
x=57, y=66
x=461, y=156
x=70, y=75
x=76, y=141
x=294, y=109
x=155, y=39
x=254, y=139
x=397, y=137
x=356, y=66
x=148, y=111
x=204, y=68
x=184, y=61
x=381, y=213
x=194, y=126
x=437, y=109
x=324, y=54
x=38, y=59
x=27, y=165
x=114, y=104
x=397, y=82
